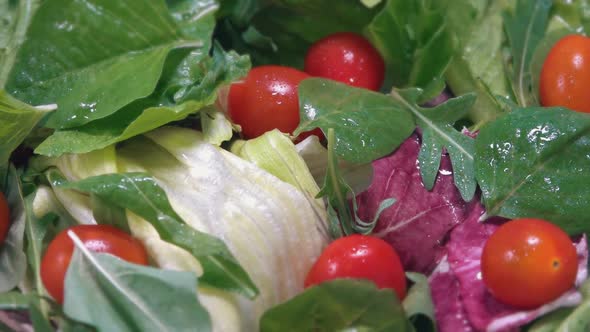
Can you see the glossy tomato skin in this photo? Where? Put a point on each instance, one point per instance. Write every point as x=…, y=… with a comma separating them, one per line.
x=528, y=262
x=4, y=218
x=360, y=257
x=565, y=76
x=266, y=99
x=348, y=58
x=97, y=238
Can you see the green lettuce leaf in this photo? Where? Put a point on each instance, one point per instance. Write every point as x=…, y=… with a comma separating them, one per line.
x=338, y=305
x=17, y=119
x=525, y=27
x=478, y=65
x=534, y=163
x=13, y=261
x=93, y=57
x=192, y=93
x=418, y=304
x=415, y=41
x=113, y=295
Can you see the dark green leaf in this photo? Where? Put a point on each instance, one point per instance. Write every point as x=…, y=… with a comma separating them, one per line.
x=367, y=125
x=525, y=28
x=418, y=304
x=196, y=19
x=535, y=162
x=293, y=25
x=93, y=57
x=438, y=133
x=17, y=119
x=140, y=194
x=193, y=91
x=14, y=301
x=414, y=39
x=13, y=261
x=114, y=295
x=338, y=305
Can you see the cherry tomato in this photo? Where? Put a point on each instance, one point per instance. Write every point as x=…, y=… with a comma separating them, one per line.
x=565, y=76
x=97, y=238
x=361, y=257
x=266, y=99
x=4, y=217
x=528, y=262
x=348, y=58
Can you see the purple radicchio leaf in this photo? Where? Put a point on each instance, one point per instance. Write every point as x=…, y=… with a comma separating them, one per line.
x=448, y=308
x=483, y=311
x=417, y=224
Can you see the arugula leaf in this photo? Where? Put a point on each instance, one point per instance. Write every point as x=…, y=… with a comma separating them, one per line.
x=414, y=39
x=39, y=321
x=93, y=57
x=367, y=125
x=13, y=261
x=533, y=162
x=192, y=92
x=17, y=119
x=140, y=194
x=114, y=295
x=525, y=28
x=478, y=65
x=438, y=133
x=338, y=305
x=418, y=303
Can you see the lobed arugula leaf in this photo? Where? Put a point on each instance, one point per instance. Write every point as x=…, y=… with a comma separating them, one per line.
x=140, y=194
x=438, y=133
x=525, y=28
x=415, y=41
x=338, y=305
x=113, y=295
x=534, y=162
x=367, y=125
x=93, y=57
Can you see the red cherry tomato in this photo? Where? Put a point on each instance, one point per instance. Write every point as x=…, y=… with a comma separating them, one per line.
x=4, y=218
x=97, y=238
x=348, y=58
x=565, y=76
x=528, y=262
x=267, y=99
x=361, y=257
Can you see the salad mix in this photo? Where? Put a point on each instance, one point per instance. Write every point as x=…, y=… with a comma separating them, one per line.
x=294, y=165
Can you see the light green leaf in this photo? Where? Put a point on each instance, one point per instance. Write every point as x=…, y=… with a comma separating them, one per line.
x=534, y=163
x=114, y=295
x=418, y=304
x=367, y=125
x=17, y=119
x=338, y=305
x=13, y=261
x=93, y=57
x=525, y=28
x=140, y=194
x=216, y=127
x=478, y=65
